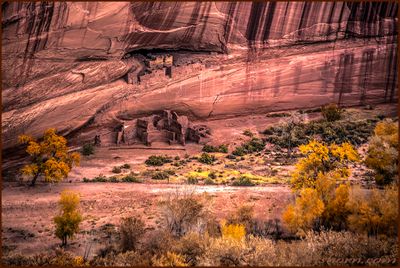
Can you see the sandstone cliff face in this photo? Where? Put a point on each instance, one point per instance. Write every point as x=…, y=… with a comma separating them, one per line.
x=64, y=64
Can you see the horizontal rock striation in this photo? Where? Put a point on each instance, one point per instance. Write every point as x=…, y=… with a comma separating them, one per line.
x=65, y=64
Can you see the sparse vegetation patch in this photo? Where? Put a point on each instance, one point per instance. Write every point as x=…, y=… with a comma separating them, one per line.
x=355, y=132
x=158, y=160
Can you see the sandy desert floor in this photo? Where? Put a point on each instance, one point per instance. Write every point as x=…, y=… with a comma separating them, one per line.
x=27, y=212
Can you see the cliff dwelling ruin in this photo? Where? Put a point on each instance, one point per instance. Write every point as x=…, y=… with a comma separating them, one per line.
x=166, y=126
x=158, y=64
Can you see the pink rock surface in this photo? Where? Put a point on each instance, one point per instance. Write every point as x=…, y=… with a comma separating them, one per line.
x=64, y=63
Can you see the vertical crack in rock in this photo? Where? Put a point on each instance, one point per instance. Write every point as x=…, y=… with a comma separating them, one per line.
x=213, y=104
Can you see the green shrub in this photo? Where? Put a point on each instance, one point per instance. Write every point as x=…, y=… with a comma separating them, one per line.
x=223, y=148
x=116, y=170
x=113, y=179
x=248, y=133
x=252, y=146
x=239, y=151
x=192, y=180
x=331, y=112
x=85, y=179
x=158, y=160
x=206, y=158
x=242, y=181
x=179, y=163
x=126, y=166
x=213, y=149
x=100, y=178
x=88, y=149
x=355, y=132
x=209, y=149
x=160, y=175
x=130, y=178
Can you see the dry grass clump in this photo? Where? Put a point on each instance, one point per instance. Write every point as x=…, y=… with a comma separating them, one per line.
x=224, y=252
x=129, y=258
x=131, y=231
x=59, y=257
x=192, y=246
x=194, y=249
x=169, y=259
x=181, y=212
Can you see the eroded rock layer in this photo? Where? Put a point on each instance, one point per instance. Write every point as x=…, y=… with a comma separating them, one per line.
x=79, y=66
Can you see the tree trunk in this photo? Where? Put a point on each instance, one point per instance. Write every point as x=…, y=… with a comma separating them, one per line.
x=34, y=179
x=64, y=241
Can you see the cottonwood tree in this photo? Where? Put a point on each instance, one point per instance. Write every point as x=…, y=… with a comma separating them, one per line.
x=383, y=155
x=319, y=181
x=374, y=213
x=69, y=218
x=49, y=158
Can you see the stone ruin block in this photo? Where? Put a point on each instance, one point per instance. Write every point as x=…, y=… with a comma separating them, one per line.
x=155, y=135
x=171, y=128
x=171, y=137
x=132, y=78
x=199, y=133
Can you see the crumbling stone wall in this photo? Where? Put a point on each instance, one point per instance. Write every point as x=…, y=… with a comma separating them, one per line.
x=170, y=127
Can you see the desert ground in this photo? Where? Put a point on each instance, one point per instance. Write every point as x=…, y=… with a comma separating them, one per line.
x=27, y=212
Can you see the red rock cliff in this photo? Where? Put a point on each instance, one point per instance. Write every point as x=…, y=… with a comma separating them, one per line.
x=64, y=64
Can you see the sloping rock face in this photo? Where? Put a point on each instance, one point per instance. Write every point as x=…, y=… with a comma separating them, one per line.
x=64, y=64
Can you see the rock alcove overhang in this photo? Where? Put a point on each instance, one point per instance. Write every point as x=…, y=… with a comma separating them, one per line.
x=64, y=65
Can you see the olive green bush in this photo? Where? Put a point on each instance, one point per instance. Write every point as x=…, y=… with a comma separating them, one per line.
x=354, y=132
x=206, y=158
x=131, y=231
x=158, y=160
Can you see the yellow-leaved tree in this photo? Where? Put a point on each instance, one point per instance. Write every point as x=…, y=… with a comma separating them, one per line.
x=319, y=181
x=302, y=216
x=49, y=157
x=320, y=158
x=69, y=218
x=374, y=212
x=383, y=155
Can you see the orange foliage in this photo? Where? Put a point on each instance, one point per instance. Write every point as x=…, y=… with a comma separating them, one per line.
x=49, y=158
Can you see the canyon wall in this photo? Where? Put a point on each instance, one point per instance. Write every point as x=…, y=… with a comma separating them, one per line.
x=64, y=64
